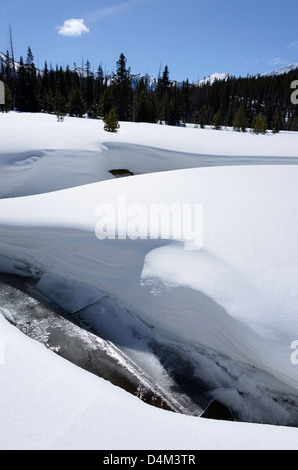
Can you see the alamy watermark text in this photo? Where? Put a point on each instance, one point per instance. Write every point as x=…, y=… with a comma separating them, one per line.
x=2, y=93
x=179, y=222
x=294, y=95
x=294, y=355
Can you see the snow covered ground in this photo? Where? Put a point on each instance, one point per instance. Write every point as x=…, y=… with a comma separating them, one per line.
x=44, y=151
x=47, y=403
x=236, y=296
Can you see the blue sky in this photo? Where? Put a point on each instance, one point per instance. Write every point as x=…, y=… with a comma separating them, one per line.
x=194, y=38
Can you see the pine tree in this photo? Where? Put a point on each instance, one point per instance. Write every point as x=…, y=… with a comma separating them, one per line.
x=164, y=81
x=163, y=95
x=173, y=117
x=32, y=85
x=122, y=90
x=90, y=89
x=217, y=120
x=142, y=107
x=240, y=121
x=111, y=121
x=100, y=82
x=294, y=124
x=60, y=116
x=276, y=123
x=259, y=124
x=196, y=119
x=21, y=93
x=8, y=100
x=105, y=103
x=76, y=105
x=202, y=117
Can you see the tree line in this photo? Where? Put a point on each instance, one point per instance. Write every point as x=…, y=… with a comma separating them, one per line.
x=257, y=102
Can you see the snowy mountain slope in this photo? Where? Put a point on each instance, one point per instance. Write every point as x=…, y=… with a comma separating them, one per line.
x=213, y=78
x=149, y=79
x=281, y=71
x=3, y=60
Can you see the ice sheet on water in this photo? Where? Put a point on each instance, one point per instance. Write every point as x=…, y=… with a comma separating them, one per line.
x=68, y=295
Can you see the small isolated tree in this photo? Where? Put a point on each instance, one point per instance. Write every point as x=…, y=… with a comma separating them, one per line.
x=76, y=106
x=259, y=124
x=276, y=126
x=240, y=121
x=202, y=117
x=217, y=121
x=196, y=119
x=111, y=121
x=60, y=116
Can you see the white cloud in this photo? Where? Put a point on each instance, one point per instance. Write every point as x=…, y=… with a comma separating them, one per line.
x=293, y=45
x=73, y=28
x=278, y=61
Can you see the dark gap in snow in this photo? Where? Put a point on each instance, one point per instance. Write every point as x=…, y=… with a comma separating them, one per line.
x=219, y=411
x=121, y=173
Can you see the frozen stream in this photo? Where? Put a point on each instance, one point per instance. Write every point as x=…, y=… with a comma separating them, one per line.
x=110, y=341
x=42, y=171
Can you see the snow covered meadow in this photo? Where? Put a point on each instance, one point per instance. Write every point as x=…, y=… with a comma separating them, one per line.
x=227, y=311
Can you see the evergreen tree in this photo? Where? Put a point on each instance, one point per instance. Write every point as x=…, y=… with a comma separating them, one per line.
x=44, y=90
x=294, y=124
x=90, y=93
x=54, y=90
x=21, y=93
x=276, y=123
x=111, y=121
x=240, y=121
x=163, y=95
x=202, y=117
x=58, y=104
x=60, y=116
x=164, y=81
x=173, y=117
x=259, y=124
x=153, y=108
x=32, y=84
x=76, y=105
x=122, y=90
x=8, y=99
x=105, y=103
x=196, y=119
x=100, y=82
x=142, y=107
x=217, y=120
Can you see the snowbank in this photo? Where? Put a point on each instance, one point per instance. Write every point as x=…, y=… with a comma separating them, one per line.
x=237, y=295
x=41, y=131
x=38, y=154
x=47, y=403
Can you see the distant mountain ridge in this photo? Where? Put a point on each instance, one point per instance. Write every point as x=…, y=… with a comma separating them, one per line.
x=283, y=70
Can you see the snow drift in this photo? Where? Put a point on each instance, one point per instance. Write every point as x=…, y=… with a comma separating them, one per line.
x=237, y=295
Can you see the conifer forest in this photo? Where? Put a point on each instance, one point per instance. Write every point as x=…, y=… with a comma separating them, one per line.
x=256, y=102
